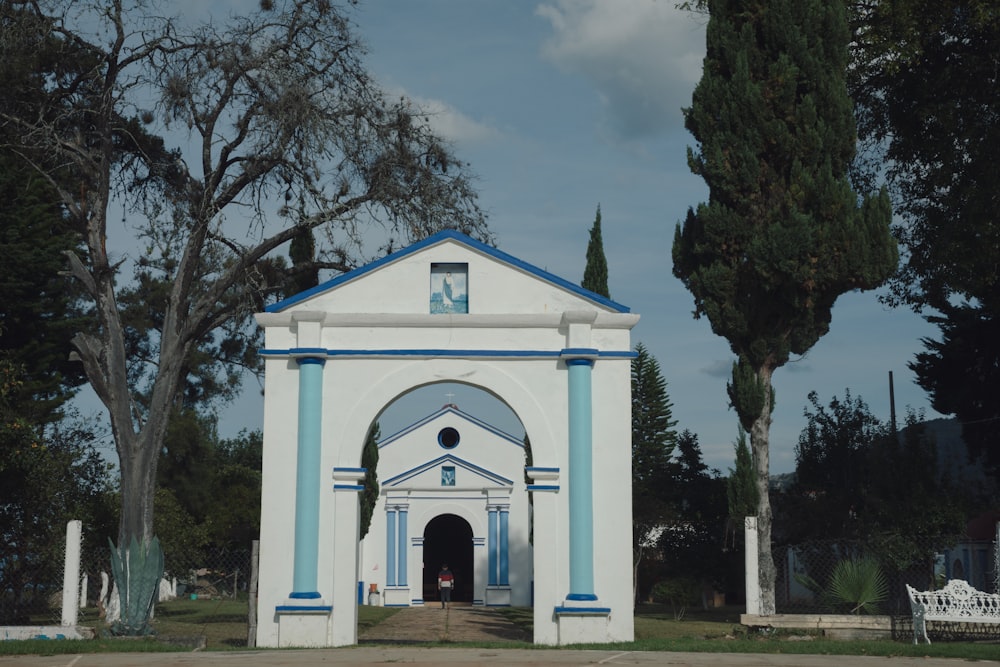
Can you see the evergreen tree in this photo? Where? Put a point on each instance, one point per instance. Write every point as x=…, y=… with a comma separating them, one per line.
x=653, y=442
x=692, y=544
x=741, y=485
x=304, y=273
x=783, y=234
x=595, y=275
x=924, y=76
x=48, y=476
x=369, y=461
x=653, y=437
x=235, y=518
x=961, y=373
x=38, y=312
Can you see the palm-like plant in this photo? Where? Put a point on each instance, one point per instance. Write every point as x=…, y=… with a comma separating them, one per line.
x=859, y=583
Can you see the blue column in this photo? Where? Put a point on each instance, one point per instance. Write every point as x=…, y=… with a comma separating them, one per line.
x=493, y=546
x=390, y=548
x=403, y=547
x=504, y=545
x=307, y=479
x=581, y=493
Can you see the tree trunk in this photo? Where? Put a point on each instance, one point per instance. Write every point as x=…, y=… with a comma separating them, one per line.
x=759, y=435
x=138, y=490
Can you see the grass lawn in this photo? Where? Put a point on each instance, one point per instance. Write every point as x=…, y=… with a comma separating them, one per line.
x=659, y=628
x=221, y=625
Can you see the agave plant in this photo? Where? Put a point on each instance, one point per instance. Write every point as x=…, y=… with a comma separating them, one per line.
x=858, y=583
x=137, y=570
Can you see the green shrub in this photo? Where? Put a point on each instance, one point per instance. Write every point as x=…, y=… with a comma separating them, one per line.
x=677, y=592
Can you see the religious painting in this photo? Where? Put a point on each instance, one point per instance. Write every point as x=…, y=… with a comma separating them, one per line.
x=447, y=475
x=449, y=288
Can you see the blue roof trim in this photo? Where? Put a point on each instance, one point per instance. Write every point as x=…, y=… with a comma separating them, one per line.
x=449, y=409
x=542, y=487
x=447, y=458
x=440, y=237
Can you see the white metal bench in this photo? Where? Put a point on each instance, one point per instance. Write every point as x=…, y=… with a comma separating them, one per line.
x=957, y=602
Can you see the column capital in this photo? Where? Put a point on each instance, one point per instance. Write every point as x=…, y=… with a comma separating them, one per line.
x=579, y=355
x=306, y=355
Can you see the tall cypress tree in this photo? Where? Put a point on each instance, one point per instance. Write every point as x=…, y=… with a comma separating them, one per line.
x=741, y=486
x=783, y=234
x=369, y=496
x=595, y=275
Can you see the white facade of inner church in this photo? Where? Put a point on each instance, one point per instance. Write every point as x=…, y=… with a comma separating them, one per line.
x=458, y=472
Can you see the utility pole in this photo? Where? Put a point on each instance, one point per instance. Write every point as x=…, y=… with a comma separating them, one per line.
x=892, y=406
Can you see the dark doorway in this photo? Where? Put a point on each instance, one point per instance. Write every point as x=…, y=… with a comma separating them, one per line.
x=448, y=539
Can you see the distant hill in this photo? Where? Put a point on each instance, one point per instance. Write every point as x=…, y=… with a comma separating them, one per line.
x=953, y=454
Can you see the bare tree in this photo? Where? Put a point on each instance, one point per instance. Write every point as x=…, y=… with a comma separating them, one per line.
x=281, y=132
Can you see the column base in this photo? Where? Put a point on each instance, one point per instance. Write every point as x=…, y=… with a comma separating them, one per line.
x=498, y=596
x=303, y=623
x=583, y=622
x=396, y=597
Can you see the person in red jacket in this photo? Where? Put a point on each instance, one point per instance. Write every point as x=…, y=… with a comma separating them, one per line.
x=446, y=582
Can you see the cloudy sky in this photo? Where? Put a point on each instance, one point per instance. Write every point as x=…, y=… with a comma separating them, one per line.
x=563, y=105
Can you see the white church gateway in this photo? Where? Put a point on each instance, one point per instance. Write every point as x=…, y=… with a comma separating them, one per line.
x=447, y=309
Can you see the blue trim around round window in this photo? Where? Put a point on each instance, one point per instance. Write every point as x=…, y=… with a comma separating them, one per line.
x=448, y=437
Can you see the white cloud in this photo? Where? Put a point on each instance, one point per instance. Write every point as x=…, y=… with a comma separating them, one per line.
x=719, y=368
x=644, y=57
x=448, y=122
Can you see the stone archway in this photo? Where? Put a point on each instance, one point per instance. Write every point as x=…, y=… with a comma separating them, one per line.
x=448, y=539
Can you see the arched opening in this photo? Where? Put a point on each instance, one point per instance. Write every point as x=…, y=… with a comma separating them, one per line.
x=448, y=539
x=415, y=404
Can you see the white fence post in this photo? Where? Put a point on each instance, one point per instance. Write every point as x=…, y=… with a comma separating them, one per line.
x=751, y=564
x=996, y=560
x=71, y=573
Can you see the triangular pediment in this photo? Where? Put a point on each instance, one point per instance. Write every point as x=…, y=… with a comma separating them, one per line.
x=450, y=274
x=476, y=453
x=432, y=474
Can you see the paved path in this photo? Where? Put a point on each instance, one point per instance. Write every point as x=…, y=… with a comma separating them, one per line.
x=431, y=623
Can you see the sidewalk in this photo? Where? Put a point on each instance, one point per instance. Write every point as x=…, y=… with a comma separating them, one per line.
x=415, y=656
x=398, y=641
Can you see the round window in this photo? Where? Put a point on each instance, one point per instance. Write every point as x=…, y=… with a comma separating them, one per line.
x=448, y=437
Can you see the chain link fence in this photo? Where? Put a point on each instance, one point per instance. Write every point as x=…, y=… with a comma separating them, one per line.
x=805, y=576
x=31, y=591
